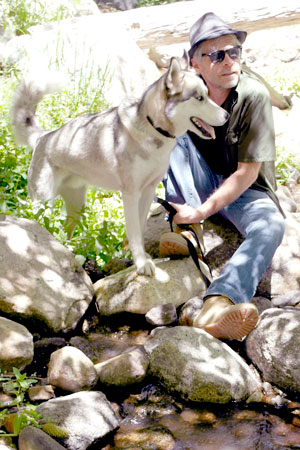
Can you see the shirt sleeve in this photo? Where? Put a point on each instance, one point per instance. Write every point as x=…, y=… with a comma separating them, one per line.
x=256, y=141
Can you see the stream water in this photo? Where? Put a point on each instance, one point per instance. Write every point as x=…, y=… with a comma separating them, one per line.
x=154, y=419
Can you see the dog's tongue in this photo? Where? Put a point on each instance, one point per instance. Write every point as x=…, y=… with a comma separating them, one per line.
x=206, y=127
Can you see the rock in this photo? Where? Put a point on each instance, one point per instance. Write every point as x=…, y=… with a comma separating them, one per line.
x=175, y=281
x=16, y=345
x=70, y=369
x=170, y=23
x=152, y=437
x=38, y=393
x=32, y=438
x=119, y=4
x=125, y=369
x=162, y=315
x=283, y=275
x=41, y=281
x=261, y=303
x=189, y=311
x=286, y=199
x=87, y=416
x=273, y=346
x=290, y=298
x=199, y=367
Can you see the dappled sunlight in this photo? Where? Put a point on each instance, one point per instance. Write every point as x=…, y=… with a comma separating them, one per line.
x=40, y=274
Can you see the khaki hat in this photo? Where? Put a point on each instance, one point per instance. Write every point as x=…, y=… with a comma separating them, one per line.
x=211, y=26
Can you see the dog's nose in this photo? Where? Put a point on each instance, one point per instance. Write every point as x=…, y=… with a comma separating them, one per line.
x=226, y=115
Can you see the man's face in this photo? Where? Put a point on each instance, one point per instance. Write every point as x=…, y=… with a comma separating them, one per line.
x=224, y=74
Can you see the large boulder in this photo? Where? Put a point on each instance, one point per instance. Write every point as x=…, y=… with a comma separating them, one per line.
x=40, y=280
x=16, y=345
x=175, y=281
x=273, y=346
x=199, y=367
x=87, y=417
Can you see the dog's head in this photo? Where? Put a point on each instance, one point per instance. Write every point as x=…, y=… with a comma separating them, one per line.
x=188, y=106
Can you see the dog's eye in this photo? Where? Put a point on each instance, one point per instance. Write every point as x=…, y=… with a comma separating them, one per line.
x=200, y=98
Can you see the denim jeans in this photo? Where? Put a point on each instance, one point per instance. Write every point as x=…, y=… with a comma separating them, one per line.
x=190, y=180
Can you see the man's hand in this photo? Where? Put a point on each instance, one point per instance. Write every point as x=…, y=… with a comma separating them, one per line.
x=227, y=193
x=186, y=214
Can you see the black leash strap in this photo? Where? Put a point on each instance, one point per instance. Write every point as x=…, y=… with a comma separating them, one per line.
x=193, y=252
x=172, y=211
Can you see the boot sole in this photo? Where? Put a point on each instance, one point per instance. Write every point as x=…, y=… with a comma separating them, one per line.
x=172, y=244
x=238, y=322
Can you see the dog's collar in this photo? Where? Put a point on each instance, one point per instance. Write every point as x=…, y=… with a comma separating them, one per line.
x=160, y=130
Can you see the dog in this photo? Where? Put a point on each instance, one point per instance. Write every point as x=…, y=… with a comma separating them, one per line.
x=125, y=148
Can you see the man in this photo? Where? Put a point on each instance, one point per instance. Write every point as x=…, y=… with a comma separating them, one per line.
x=232, y=175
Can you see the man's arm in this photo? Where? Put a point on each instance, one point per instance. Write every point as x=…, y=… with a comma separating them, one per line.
x=228, y=192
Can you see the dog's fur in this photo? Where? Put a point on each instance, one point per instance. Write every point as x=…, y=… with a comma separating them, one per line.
x=126, y=148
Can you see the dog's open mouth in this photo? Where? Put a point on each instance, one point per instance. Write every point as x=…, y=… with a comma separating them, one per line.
x=202, y=126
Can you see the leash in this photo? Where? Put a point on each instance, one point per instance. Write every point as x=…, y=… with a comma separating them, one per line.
x=193, y=252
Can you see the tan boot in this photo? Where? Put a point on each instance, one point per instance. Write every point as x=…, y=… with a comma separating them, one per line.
x=174, y=244
x=224, y=320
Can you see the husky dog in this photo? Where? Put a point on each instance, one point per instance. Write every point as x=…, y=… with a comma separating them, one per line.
x=125, y=148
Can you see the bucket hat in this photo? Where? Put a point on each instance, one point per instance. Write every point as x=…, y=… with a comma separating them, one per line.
x=211, y=26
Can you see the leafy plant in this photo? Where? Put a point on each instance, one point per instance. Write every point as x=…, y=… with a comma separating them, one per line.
x=20, y=15
x=15, y=420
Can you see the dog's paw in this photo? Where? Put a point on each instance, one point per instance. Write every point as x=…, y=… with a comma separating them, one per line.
x=146, y=268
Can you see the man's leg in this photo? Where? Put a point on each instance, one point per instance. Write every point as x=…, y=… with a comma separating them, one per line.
x=258, y=219
x=255, y=215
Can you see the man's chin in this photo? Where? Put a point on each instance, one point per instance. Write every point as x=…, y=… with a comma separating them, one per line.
x=230, y=81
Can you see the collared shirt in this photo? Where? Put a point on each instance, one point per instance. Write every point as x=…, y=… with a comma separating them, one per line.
x=248, y=135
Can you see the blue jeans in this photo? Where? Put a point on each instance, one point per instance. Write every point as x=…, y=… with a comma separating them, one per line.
x=190, y=180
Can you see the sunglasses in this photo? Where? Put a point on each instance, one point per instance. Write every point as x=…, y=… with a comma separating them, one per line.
x=218, y=56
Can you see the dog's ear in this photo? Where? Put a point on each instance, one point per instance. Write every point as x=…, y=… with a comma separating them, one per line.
x=185, y=61
x=174, y=77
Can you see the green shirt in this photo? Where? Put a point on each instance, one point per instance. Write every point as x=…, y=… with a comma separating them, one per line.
x=248, y=135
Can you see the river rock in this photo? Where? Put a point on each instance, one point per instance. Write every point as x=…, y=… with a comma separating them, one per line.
x=70, y=369
x=125, y=369
x=175, y=281
x=273, y=346
x=87, y=416
x=16, y=345
x=32, y=438
x=41, y=281
x=198, y=366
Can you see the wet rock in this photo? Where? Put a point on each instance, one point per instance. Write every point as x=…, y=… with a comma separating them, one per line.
x=16, y=345
x=273, y=347
x=199, y=367
x=87, y=416
x=41, y=393
x=70, y=369
x=125, y=369
x=175, y=281
x=32, y=438
x=162, y=315
x=157, y=437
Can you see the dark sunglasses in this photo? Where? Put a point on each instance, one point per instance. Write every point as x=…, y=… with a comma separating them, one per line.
x=218, y=56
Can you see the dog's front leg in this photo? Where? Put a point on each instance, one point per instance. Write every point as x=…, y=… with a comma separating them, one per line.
x=135, y=229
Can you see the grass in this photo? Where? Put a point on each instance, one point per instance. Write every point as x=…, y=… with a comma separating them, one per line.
x=100, y=234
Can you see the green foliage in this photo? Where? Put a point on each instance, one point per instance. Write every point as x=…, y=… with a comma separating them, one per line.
x=19, y=15
x=14, y=420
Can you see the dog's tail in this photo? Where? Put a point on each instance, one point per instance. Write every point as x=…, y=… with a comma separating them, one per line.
x=23, y=112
